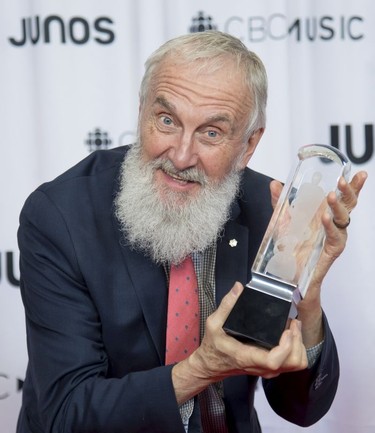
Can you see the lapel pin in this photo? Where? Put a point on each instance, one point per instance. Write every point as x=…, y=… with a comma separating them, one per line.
x=233, y=243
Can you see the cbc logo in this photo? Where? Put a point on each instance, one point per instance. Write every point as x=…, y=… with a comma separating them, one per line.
x=9, y=385
x=98, y=139
x=278, y=26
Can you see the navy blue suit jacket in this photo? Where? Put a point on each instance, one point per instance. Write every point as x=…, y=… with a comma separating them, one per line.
x=96, y=315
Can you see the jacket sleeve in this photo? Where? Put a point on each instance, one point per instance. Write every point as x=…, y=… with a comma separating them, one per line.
x=304, y=397
x=69, y=388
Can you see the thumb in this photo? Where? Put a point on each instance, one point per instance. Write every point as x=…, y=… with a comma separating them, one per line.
x=275, y=188
x=228, y=302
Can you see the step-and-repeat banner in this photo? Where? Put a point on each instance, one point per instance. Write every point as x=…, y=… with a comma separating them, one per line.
x=69, y=77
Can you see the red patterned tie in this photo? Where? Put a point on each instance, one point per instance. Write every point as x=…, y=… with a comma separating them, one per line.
x=183, y=312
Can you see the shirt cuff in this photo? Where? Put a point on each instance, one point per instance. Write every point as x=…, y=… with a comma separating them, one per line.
x=186, y=409
x=313, y=353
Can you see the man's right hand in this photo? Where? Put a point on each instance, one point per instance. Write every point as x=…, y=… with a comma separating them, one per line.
x=220, y=355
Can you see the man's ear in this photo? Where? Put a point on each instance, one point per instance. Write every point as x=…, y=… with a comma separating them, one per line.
x=252, y=143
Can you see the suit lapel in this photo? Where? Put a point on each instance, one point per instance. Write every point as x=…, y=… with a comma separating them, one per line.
x=150, y=285
x=149, y=282
x=232, y=264
x=231, y=259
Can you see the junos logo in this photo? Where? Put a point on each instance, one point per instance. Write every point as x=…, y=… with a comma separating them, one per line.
x=8, y=265
x=56, y=29
x=9, y=385
x=347, y=146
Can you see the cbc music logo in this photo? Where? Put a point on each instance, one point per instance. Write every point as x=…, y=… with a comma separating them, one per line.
x=9, y=385
x=201, y=23
x=278, y=27
x=8, y=266
x=98, y=140
x=56, y=29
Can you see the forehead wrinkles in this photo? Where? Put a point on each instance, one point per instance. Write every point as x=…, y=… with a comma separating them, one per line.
x=203, y=89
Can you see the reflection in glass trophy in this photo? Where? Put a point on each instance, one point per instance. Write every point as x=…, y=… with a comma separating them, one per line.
x=290, y=248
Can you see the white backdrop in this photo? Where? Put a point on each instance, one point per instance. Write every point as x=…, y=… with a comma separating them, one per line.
x=69, y=77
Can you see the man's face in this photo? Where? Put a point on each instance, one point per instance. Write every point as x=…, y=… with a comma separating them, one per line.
x=195, y=120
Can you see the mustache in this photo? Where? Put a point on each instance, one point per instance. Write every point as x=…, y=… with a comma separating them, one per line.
x=192, y=174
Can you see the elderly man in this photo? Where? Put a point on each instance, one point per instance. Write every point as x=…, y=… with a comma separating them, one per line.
x=102, y=244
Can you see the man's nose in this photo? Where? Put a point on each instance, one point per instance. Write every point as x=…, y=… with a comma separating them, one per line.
x=183, y=152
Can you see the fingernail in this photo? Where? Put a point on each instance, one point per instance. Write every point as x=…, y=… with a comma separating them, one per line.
x=343, y=181
x=288, y=336
x=299, y=327
x=236, y=289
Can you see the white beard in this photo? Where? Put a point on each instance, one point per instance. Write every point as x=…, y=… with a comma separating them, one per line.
x=170, y=228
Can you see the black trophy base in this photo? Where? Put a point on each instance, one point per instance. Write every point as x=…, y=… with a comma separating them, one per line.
x=258, y=318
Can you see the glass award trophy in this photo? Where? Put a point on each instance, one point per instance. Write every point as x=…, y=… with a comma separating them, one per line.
x=290, y=248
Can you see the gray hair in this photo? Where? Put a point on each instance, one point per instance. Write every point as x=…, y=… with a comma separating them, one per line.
x=212, y=46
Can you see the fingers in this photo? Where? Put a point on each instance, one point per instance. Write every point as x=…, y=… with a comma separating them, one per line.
x=340, y=211
x=335, y=224
x=343, y=205
x=350, y=190
x=289, y=355
x=214, y=334
x=275, y=188
x=227, y=304
x=357, y=182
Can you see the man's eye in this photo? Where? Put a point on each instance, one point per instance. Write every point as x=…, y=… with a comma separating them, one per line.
x=166, y=120
x=212, y=134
